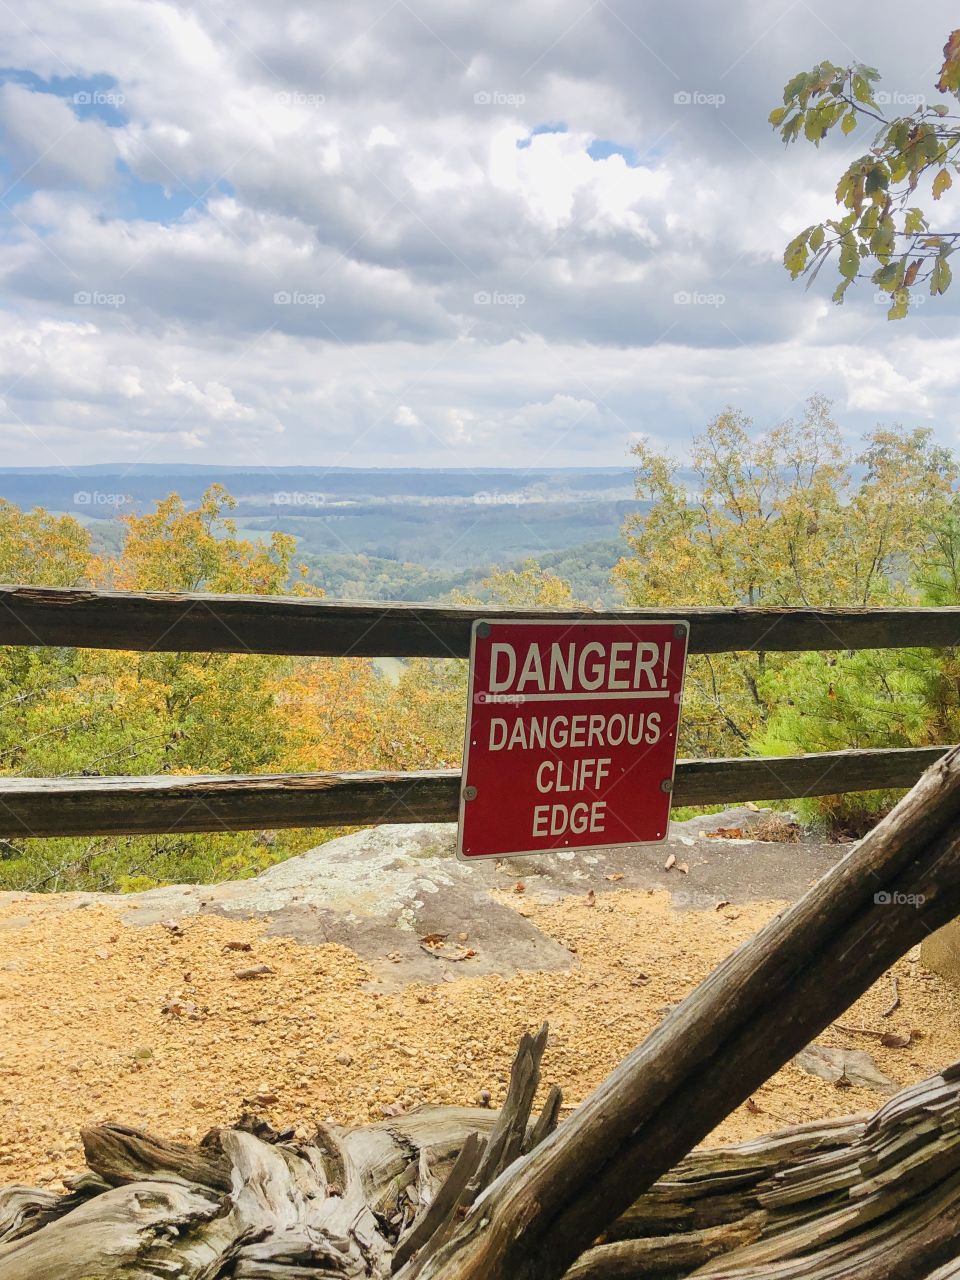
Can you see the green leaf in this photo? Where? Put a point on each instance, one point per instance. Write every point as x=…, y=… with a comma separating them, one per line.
x=914, y=223
x=794, y=86
x=816, y=238
x=868, y=223
x=840, y=290
x=941, y=277
x=778, y=115
x=861, y=89
x=795, y=254
x=882, y=241
x=887, y=277
x=877, y=179
x=849, y=122
x=813, y=129
x=849, y=261
x=900, y=306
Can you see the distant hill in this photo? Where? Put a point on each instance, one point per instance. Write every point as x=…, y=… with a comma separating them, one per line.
x=376, y=533
x=302, y=488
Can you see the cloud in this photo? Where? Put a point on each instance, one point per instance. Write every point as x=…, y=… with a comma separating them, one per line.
x=414, y=231
x=47, y=144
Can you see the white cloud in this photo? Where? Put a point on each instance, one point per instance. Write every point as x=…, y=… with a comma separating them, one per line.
x=355, y=257
x=48, y=144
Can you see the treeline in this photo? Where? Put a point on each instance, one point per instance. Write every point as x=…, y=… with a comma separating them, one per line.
x=797, y=516
x=586, y=567
x=791, y=517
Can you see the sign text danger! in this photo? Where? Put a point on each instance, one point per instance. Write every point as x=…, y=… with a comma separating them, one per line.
x=571, y=734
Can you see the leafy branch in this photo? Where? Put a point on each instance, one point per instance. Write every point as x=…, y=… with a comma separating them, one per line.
x=884, y=235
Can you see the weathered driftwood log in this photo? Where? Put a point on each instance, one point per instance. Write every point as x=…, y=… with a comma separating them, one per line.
x=857, y=1198
x=253, y=1204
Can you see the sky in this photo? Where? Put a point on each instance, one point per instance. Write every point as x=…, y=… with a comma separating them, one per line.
x=434, y=232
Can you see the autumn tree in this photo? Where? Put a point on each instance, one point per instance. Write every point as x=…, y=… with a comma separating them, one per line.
x=113, y=712
x=528, y=587
x=790, y=517
x=424, y=717
x=887, y=231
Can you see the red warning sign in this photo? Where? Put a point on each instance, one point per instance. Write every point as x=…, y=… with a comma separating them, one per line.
x=571, y=735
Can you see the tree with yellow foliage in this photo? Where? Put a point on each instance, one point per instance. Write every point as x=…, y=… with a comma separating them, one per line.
x=789, y=517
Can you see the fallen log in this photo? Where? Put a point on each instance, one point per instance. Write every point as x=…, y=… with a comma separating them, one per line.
x=863, y=1196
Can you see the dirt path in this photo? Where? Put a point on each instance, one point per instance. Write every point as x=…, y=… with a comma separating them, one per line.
x=85, y=1036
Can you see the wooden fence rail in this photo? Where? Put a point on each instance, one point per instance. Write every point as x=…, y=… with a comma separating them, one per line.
x=139, y=806
x=322, y=628
x=301, y=626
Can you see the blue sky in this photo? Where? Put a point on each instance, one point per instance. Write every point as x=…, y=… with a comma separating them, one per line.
x=418, y=234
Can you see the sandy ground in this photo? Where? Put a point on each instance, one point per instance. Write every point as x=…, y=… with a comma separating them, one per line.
x=84, y=1036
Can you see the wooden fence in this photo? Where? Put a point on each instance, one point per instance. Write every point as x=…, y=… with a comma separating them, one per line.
x=161, y=621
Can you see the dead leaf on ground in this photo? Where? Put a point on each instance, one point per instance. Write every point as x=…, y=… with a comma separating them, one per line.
x=683, y=867
x=255, y=971
x=721, y=904
x=264, y=1097
x=895, y=1040
x=591, y=898
x=846, y=1068
x=172, y=926
x=448, y=951
x=433, y=939
x=183, y=1009
x=614, y=875
x=235, y=945
x=725, y=833
x=519, y=887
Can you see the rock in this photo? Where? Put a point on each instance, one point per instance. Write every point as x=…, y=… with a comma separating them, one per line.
x=844, y=1067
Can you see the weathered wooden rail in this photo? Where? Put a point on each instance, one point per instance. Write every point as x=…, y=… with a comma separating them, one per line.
x=301, y=626
x=139, y=806
x=321, y=628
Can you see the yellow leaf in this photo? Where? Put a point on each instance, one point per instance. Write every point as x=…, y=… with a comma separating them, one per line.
x=941, y=183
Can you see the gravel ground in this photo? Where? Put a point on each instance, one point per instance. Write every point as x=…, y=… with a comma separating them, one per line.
x=151, y=1026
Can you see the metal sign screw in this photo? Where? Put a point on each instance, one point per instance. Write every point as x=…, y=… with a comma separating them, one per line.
x=483, y=630
x=666, y=784
x=679, y=631
x=469, y=793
